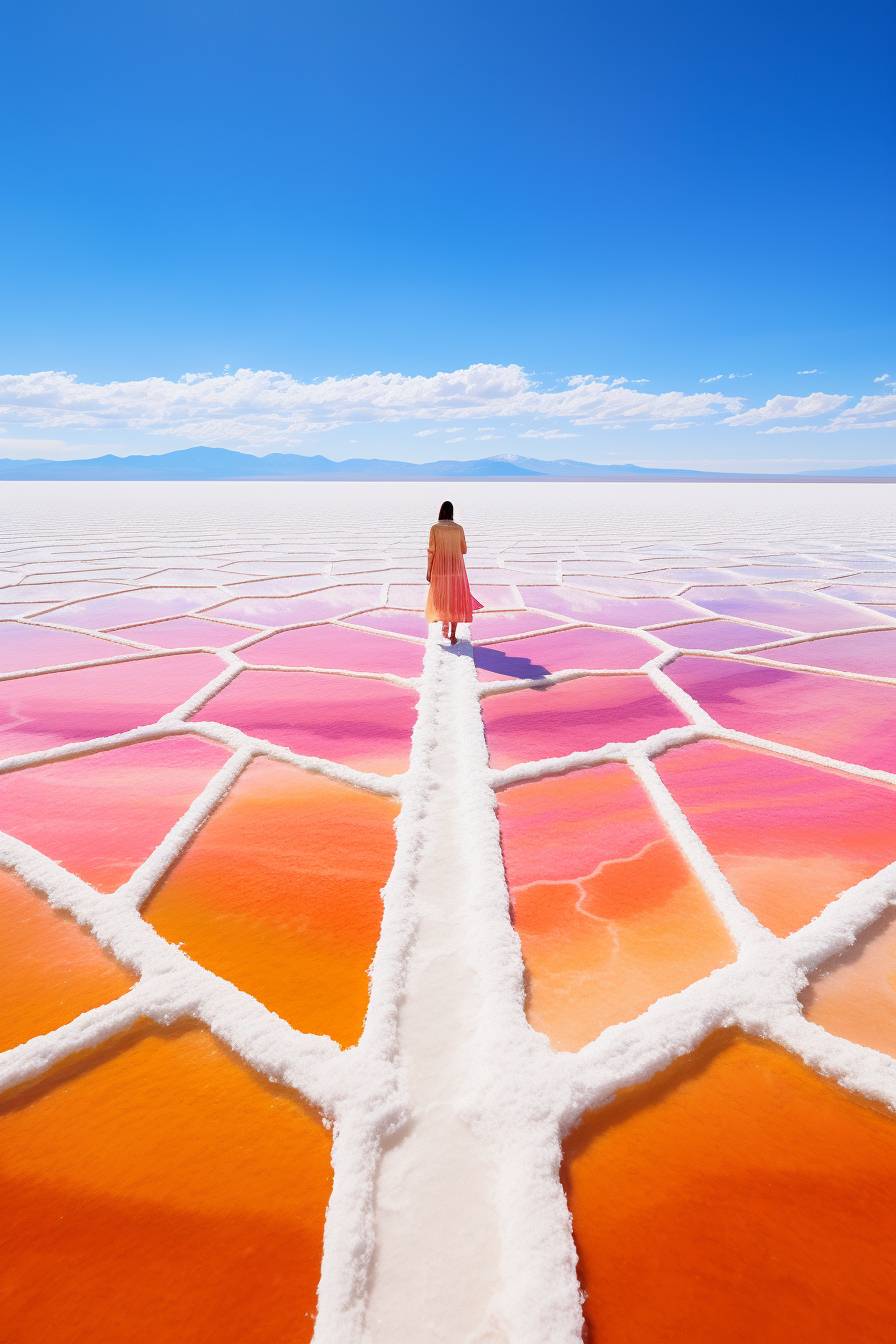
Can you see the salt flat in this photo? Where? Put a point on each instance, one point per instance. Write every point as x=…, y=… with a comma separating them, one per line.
x=620, y=866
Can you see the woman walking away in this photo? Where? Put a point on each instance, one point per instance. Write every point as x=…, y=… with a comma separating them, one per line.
x=449, y=599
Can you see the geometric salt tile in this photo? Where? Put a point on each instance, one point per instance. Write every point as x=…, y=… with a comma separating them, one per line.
x=101, y=815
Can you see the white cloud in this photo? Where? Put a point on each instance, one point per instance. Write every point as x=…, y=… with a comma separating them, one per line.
x=548, y=434
x=594, y=401
x=580, y=379
x=883, y=378
x=719, y=377
x=804, y=373
x=268, y=408
x=868, y=413
x=882, y=404
x=265, y=409
x=834, y=427
x=792, y=429
x=789, y=408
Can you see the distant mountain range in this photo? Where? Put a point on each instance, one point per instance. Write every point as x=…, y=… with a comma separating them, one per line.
x=222, y=464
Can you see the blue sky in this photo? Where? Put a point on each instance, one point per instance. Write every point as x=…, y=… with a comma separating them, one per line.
x=343, y=202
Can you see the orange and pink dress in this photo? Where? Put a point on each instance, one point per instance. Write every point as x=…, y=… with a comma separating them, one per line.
x=449, y=597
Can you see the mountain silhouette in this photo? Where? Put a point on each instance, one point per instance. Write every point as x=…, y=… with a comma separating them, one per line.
x=224, y=464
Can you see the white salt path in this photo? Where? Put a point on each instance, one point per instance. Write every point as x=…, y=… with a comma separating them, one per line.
x=437, y=1259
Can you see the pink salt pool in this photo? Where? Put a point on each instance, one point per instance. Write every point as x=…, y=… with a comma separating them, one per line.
x=336, y=646
x=27, y=646
x=286, y=586
x=873, y=653
x=102, y=815
x=188, y=632
x=398, y=622
x=318, y=606
x=716, y=635
x=489, y=626
x=854, y=994
x=788, y=836
x=848, y=720
x=586, y=606
x=800, y=612
x=579, y=715
x=609, y=915
x=58, y=707
x=580, y=648
x=366, y=724
x=147, y=604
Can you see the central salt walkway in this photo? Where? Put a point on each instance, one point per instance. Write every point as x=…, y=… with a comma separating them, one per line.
x=437, y=1255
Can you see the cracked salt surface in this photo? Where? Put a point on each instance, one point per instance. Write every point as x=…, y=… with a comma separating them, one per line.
x=447, y=1219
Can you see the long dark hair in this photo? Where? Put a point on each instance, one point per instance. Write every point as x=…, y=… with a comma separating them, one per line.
x=446, y=512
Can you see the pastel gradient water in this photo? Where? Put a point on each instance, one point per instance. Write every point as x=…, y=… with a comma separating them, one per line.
x=716, y=635
x=581, y=648
x=42, y=593
x=23, y=647
x=609, y=916
x=491, y=625
x=579, y=715
x=50, y=969
x=186, y=632
x=848, y=720
x=789, y=837
x=102, y=815
x=398, y=622
x=317, y=606
x=366, y=724
x=868, y=592
x=59, y=707
x=855, y=994
x=337, y=646
x=585, y=606
x=280, y=893
x=288, y=585
x=873, y=653
x=147, y=604
x=794, y=610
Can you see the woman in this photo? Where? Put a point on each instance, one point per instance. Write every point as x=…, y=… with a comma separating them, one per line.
x=449, y=599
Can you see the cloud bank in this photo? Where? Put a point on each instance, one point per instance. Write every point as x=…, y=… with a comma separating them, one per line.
x=789, y=408
x=267, y=409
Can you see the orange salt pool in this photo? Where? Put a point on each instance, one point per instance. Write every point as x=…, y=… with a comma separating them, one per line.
x=280, y=893
x=157, y=1189
x=609, y=916
x=738, y=1197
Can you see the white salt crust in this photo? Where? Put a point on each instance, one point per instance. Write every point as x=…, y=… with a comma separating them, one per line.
x=518, y=1096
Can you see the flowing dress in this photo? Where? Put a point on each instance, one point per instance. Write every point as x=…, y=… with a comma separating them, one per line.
x=449, y=597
